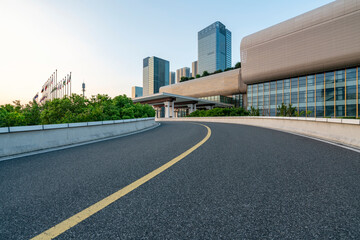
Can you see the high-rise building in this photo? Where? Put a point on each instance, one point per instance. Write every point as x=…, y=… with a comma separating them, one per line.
x=172, y=78
x=136, y=92
x=194, y=69
x=214, y=48
x=182, y=72
x=155, y=74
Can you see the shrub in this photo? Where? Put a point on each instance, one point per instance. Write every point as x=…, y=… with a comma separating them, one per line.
x=217, y=112
x=73, y=108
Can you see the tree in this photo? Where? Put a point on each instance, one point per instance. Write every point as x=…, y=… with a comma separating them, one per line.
x=184, y=79
x=254, y=111
x=238, y=65
x=198, y=75
x=218, y=71
x=73, y=108
x=205, y=73
x=288, y=111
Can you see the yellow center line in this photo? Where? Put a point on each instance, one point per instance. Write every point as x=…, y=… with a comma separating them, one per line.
x=84, y=214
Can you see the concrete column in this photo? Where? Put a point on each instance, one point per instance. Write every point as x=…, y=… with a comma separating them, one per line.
x=190, y=106
x=167, y=109
x=194, y=107
x=172, y=109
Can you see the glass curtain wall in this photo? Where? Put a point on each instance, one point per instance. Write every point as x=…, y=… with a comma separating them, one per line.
x=273, y=98
x=351, y=92
x=330, y=94
x=310, y=96
x=320, y=95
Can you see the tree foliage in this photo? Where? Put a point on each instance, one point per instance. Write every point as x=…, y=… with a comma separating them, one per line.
x=71, y=109
x=287, y=111
x=215, y=112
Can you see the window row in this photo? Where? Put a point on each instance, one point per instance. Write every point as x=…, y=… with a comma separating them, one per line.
x=330, y=94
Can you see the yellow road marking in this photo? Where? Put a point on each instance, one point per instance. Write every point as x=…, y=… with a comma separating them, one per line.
x=84, y=214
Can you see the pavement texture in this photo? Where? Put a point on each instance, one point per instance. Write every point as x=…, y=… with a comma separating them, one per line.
x=243, y=183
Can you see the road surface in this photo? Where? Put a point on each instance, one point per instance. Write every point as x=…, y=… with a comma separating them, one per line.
x=242, y=183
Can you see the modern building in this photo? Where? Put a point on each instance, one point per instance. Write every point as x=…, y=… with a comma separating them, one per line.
x=194, y=69
x=136, y=92
x=311, y=61
x=214, y=48
x=182, y=72
x=172, y=79
x=155, y=74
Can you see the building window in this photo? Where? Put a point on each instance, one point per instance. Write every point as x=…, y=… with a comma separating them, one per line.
x=351, y=92
x=310, y=102
x=329, y=94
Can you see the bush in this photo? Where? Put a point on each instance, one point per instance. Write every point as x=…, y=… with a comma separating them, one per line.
x=238, y=65
x=215, y=112
x=288, y=111
x=74, y=108
x=205, y=73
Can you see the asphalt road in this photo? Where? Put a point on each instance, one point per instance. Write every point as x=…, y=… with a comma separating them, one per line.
x=243, y=183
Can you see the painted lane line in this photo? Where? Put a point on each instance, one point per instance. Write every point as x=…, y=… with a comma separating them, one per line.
x=86, y=213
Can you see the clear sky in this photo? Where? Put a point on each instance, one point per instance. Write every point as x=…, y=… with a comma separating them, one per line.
x=103, y=42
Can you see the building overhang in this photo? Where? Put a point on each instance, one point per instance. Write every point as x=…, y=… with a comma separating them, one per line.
x=159, y=99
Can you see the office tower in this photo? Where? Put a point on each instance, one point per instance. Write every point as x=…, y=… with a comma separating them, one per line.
x=172, y=78
x=182, y=72
x=194, y=69
x=155, y=74
x=136, y=92
x=214, y=48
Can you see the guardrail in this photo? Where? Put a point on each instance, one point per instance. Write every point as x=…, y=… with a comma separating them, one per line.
x=66, y=125
x=24, y=139
x=343, y=131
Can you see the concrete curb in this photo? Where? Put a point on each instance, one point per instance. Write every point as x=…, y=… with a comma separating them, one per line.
x=341, y=131
x=21, y=140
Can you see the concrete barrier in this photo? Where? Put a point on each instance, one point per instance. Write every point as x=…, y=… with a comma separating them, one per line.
x=24, y=139
x=343, y=131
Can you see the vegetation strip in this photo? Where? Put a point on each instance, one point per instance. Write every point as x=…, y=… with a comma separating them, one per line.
x=86, y=213
x=71, y=109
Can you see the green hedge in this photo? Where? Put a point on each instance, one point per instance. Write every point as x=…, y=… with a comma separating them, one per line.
x=217, y=112
x=73, y=109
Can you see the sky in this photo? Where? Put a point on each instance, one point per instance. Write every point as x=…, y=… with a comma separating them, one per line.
x=103, y=42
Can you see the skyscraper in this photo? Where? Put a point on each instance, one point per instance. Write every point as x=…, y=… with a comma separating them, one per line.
x=214, y=48
x=182, y=72
x=155, y=74
x=136, y=92
x=172, y=78
x=194, y=69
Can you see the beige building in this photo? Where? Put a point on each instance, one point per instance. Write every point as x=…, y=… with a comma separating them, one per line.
x=310, y=61
x=182, y=72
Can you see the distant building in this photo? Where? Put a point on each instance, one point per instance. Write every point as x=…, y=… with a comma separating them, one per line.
x=172, y=78
x=155, y=74
x=182, y=72
x=136, y=92
x=214, y=48
x=194, y=68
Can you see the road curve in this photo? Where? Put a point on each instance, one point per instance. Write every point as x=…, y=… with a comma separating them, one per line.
x=243, y=183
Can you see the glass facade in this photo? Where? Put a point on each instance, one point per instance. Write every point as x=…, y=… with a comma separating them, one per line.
x=214, y=48
x=155, y=75
x=329, y=94
x=236, y=100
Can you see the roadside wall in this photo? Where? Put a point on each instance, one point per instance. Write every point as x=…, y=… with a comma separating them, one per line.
x=17, y=140
x=344, y=131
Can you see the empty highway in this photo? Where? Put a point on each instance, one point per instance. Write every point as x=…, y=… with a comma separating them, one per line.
x=225, y=181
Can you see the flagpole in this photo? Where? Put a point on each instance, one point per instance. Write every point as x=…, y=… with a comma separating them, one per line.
x=67, y=84
x=70, y=83
x=56, y=92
